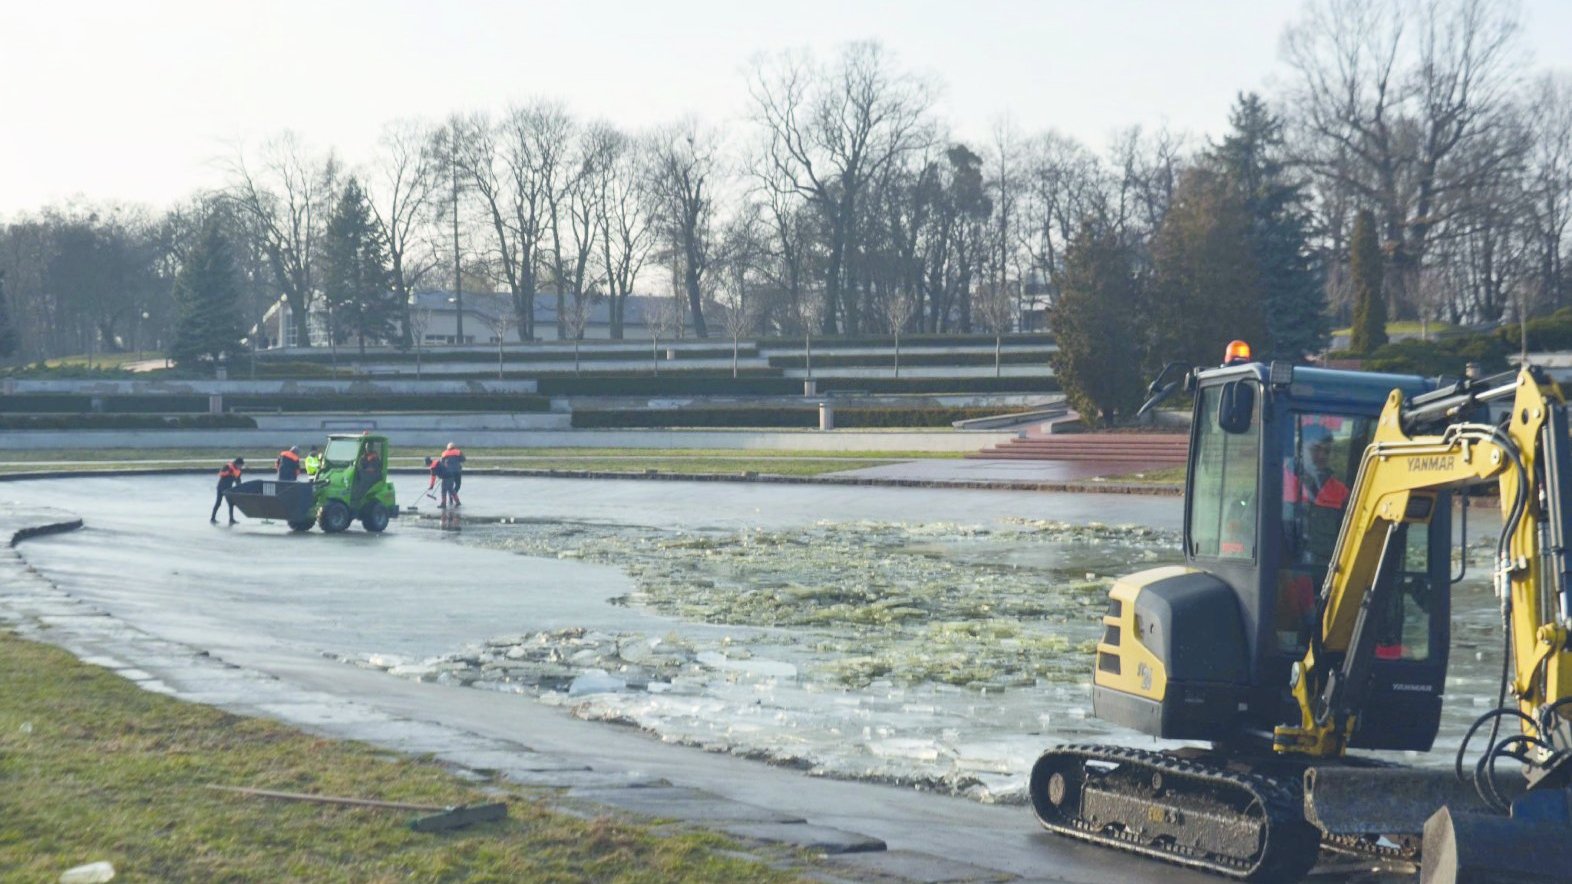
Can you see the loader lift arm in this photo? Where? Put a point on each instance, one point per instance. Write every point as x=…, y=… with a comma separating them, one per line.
x=1421, y=448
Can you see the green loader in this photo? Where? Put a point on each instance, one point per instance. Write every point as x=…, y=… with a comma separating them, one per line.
x=352, y=484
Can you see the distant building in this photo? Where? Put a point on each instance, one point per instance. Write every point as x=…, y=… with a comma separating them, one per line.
x=435, y=315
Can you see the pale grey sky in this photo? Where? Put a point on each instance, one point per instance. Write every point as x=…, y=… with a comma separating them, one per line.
x=135, y=101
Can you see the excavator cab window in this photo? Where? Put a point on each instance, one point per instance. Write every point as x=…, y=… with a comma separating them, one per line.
x=1225, y=475
x=1320, y=463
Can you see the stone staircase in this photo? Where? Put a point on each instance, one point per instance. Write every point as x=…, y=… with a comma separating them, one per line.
x=1144, y=449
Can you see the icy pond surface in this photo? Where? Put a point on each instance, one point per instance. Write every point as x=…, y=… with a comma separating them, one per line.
x=942, y=653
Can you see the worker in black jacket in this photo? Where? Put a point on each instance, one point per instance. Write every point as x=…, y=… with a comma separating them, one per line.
x=288, y=464
x=228, y=477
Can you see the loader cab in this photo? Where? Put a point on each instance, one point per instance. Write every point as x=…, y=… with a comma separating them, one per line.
x=1273, y=460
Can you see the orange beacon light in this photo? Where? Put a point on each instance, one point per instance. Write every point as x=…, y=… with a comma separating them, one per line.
x=1237, y=352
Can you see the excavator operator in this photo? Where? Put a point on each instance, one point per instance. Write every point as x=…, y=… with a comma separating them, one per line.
x=1314, y=497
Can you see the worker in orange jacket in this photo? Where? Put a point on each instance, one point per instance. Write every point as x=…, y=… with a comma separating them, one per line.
x=288, y=464
x=228, y=477
x=452, y=460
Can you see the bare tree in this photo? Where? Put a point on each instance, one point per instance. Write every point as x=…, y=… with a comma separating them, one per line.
x=596, y=150
x=1549, y=187
x=996, y=308
x=661, y=322
x=1064, y=185
x=738, y=317
x=684, y=165
x=626, y=231
x=577, y=320
x=419, y=321
x=898, y=309
x=400, y=192
x=1393, y=98
x=499, y=324
x=512, y=167
x=830, y=133
x=286, y=197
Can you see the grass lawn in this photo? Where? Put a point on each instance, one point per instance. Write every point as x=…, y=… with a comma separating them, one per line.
x=689, y=461
x=1165, y=476
x=93, y=768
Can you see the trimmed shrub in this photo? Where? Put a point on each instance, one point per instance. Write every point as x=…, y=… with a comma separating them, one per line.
x=1553, y=332
x=1446, y=356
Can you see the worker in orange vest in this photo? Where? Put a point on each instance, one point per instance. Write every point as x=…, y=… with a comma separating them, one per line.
x=452, y=460
x=228, y=477
x=288, y=463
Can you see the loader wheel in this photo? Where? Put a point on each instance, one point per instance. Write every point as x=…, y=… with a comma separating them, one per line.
x=335, y=517
x=374, y=518
x=300, y=525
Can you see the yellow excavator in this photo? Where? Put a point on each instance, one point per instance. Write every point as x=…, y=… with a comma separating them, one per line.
x=1312, y=617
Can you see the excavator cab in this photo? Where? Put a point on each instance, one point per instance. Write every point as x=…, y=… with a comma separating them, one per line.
x=1205, y=651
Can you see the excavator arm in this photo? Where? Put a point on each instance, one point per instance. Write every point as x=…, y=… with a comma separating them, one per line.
x=1419, y=449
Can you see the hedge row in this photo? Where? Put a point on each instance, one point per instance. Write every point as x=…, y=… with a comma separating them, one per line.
x=76, y=403
x=1445, y=356
x=511, y=355
x=127, y=422
x=71, y=403
x=342, y=402
x=772, y=418
x=699, y=385
x=944, y=340
x=886, y=360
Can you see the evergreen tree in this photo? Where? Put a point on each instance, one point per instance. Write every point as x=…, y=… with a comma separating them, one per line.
x=1207, y=282
x=1364, y=260
x=355, y=276
x=1252, y=158
x=9, y=339
x=1094, y=320
x=206, y=295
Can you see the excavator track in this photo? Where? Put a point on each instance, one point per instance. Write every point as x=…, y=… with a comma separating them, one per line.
x=1242, y=825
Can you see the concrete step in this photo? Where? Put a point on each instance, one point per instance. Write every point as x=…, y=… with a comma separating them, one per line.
x=1164, y=449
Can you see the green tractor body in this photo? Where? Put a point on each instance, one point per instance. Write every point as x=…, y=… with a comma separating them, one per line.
x=352, y=484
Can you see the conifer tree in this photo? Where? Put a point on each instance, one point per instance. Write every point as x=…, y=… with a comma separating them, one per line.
x=1207, y=285
x=10, y=340
x=355, y=276
x=1364, y=260
x=1253, y=158
x=207, y=297
x=1100, y=346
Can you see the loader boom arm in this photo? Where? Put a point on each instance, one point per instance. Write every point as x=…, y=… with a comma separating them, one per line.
x=1420, y=449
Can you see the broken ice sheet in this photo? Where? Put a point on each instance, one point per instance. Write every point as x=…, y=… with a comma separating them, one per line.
x=936, y=654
